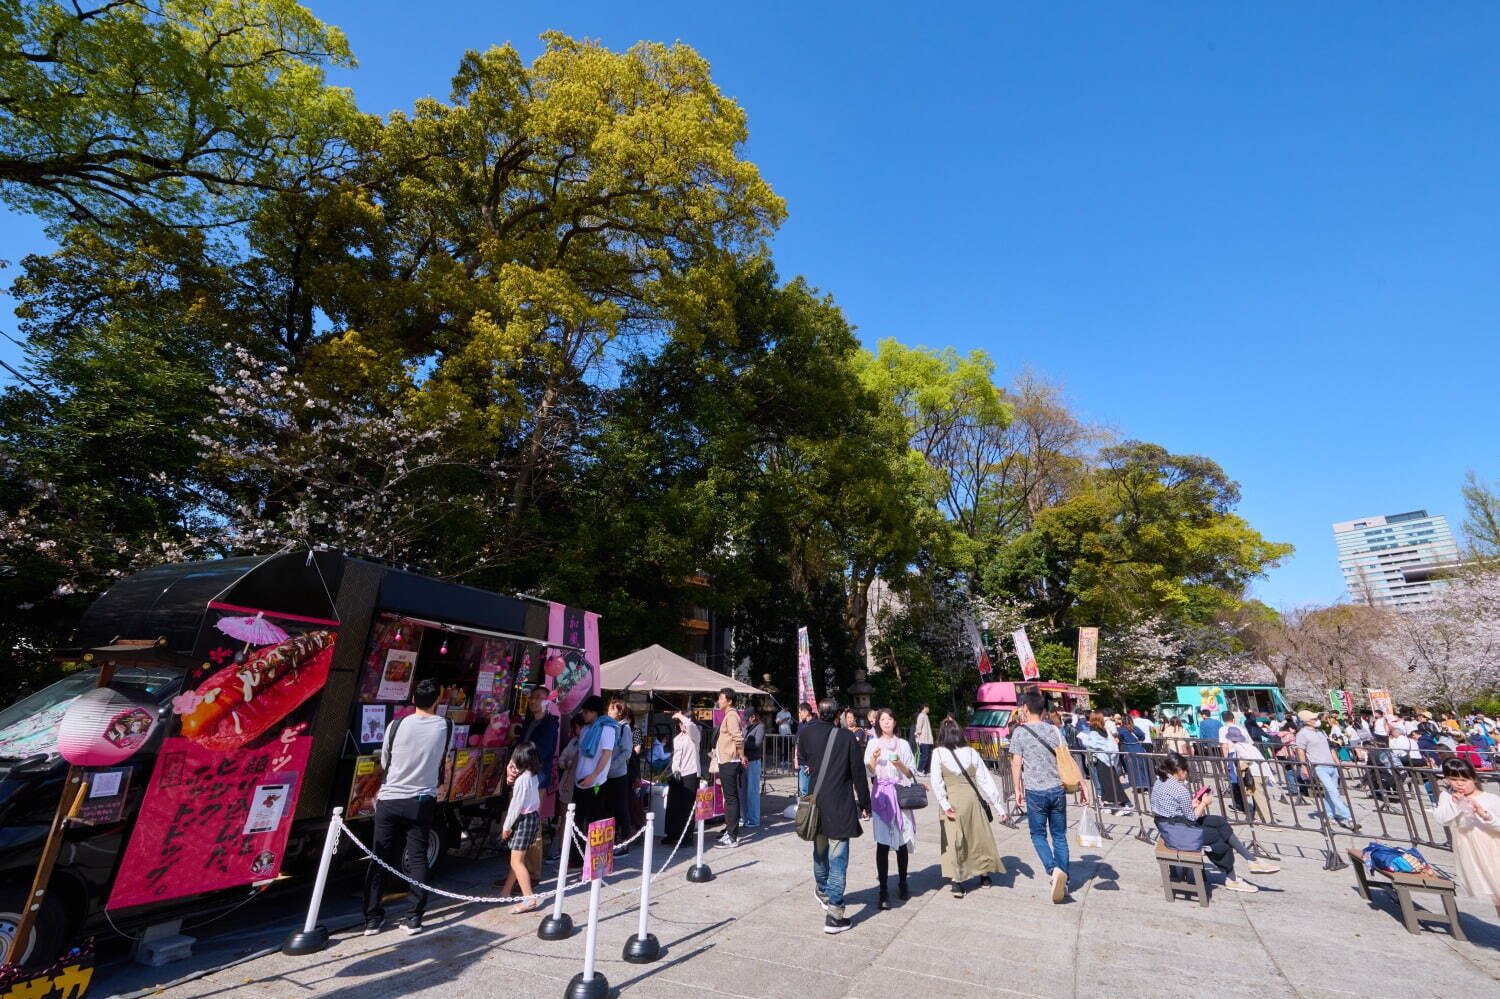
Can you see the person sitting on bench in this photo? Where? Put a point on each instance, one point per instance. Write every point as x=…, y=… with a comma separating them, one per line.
x=1183, y=826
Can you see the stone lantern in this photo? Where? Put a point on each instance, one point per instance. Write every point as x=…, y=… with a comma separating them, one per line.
x=861, y=690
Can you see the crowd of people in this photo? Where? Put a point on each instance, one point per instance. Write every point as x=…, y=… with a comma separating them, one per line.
x=861, y=769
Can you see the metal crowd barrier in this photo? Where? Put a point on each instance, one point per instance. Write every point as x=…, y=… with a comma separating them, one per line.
x=1394, y=802
x=776, y=758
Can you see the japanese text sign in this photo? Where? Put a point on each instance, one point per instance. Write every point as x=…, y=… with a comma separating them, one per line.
x=600, y=860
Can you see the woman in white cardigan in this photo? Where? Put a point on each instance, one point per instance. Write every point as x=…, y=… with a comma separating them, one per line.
x=1474, y=817
x=962, y=784
x=889, y=759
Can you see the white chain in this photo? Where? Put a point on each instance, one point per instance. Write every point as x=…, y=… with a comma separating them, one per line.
x=537, y=896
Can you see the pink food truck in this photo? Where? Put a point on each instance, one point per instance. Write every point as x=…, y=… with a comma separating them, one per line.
x=995, y=703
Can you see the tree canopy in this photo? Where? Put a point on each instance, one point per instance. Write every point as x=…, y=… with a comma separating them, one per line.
x=530, y=337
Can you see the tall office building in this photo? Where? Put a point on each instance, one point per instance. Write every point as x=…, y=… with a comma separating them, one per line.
x=1377, y=555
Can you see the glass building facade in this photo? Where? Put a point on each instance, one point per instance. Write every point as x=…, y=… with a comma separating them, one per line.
x=1374, y=551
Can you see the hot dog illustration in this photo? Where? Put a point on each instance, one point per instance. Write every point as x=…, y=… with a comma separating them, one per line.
x=242, y=700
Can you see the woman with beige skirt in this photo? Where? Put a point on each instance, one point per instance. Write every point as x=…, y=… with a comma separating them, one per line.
x=962, y=784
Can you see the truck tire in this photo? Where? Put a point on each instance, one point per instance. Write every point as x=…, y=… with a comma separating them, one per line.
x=48, y=937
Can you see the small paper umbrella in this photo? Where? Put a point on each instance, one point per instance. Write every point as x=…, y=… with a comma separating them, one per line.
x=252, y=630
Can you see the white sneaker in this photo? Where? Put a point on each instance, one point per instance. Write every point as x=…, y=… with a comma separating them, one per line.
x=1263, y=868
x=1235, y=884
x=1059, y=885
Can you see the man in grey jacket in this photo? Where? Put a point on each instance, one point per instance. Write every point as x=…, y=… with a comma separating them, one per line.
x=412, y=757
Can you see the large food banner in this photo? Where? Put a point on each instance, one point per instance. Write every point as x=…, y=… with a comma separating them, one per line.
x=219, y=804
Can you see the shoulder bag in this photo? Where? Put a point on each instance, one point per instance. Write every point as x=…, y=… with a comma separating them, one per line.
x=1067, y=767
x=989, y=816
x=807, y=806
x=911, y=796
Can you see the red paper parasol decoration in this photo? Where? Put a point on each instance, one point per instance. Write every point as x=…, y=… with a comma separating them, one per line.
x=252, y=631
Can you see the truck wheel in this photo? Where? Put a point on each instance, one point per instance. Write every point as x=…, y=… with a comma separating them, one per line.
x=48, y=934
x=437, y=845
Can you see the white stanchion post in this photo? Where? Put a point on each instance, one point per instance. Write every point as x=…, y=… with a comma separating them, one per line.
x=700, y=873
x=312, y=937
x=590, y=984
x=643, y=948
x=559, y=925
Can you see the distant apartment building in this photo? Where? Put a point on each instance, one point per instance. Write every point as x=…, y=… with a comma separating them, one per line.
x=1378, y=556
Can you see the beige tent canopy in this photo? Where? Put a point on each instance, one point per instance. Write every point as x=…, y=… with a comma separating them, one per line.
x=655, y=668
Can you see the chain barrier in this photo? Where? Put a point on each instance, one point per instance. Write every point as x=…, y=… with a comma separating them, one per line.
x=535, y=896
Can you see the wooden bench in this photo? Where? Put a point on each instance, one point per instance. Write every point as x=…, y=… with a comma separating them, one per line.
x=1403, y=885
x=1191, y=864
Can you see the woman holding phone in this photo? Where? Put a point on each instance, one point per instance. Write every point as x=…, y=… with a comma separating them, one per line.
x=1184, y=825
x=1474, y=816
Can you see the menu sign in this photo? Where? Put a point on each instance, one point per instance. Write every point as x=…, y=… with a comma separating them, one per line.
x=105, y=802
x=703, y=804
x=365, y=786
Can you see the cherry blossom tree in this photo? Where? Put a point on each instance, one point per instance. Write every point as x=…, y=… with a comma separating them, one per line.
x=381, y=474
x=1451, y=647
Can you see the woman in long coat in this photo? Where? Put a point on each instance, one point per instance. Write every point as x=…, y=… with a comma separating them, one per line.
x=959, y=779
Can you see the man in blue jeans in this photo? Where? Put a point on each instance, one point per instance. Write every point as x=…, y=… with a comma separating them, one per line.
x=1033, y=769
x=843, y=797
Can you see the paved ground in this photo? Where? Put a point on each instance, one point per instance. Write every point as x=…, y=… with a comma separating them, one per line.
x=757, y=931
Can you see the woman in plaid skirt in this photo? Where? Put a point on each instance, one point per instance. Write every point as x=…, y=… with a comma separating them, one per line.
x=523, y=821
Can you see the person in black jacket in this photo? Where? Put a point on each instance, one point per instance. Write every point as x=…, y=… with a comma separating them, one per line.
x=843, y=800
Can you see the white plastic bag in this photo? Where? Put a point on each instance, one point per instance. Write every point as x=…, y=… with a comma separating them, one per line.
x=1089, y=833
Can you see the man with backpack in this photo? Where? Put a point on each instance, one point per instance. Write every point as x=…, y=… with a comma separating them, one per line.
x=1039, y=787
x=841, y=789
x=412, y=757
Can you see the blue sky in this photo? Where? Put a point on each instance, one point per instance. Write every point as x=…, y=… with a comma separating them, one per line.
x=1264, y=232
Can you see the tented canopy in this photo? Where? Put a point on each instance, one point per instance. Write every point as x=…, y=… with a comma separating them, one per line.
x=656, y=669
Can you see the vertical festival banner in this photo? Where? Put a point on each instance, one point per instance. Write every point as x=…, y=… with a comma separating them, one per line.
x=985, y=666
x=805, y=692
x=1380, y=700
x=1088, y=653
x=1341, y=701
x=570, y=669
x=1029, y=669
x=219, y=804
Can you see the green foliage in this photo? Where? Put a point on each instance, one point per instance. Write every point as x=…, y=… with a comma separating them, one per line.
x=1151, y=535
x=165, y=109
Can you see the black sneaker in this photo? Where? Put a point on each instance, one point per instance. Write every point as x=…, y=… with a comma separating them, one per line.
x=373, y=926
x=412, y=925
x=834, y=924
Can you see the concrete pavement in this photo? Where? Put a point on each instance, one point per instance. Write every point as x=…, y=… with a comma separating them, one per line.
x=756, y=930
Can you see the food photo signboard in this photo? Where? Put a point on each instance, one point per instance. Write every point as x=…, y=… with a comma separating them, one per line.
x=219, y=804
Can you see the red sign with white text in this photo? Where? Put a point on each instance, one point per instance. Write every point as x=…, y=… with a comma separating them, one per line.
x=212, y=820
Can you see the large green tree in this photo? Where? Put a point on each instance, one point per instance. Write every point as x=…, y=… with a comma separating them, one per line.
x=1153, y=534
x=165, y=109
x=754, y=455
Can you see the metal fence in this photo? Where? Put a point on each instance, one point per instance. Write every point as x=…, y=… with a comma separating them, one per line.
x=1385, y=799
x=777, y=757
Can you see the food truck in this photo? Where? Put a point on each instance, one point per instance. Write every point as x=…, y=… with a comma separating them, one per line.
x=221, y=710
x=1246, y=698
x=995, y=703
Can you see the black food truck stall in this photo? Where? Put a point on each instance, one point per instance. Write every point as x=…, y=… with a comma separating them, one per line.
x=245, y=699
